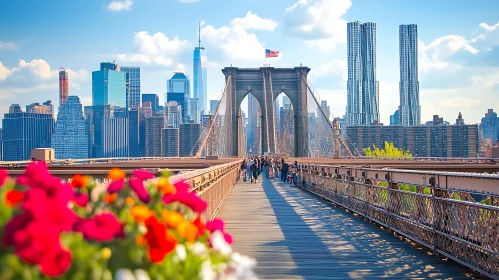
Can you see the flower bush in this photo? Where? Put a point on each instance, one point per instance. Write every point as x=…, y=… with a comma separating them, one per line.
x=138, y=228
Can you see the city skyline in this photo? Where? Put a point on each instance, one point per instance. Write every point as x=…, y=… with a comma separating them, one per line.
x=458, y=54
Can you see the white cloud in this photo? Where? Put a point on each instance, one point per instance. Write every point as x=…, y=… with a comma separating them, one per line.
x=120, y=5
x=319, y=22
x=333, y=67
x=4, y=72
x=253, y=21
x=154, y=49
x=436, y=54
x=488, y=37
x=488, y=27
x=7, y=46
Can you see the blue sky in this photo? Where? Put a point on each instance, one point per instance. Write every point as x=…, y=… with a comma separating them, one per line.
x=458, y=48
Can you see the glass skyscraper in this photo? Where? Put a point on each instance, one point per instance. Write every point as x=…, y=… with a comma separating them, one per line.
x=362, y=86
x=410, y=110
x=109, y=86
x=70, y=139
x=132, y=79
x=153, y=98
x=200, y=77
x=178, y=89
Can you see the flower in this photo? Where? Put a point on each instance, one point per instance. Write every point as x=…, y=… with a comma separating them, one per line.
x=110, y=198
x=165, y=186
x=218, y=243
x=160, y=241
x=102, y=227
x=181, y=252
x=79, y=181
x=116, y=174
x=106, y=253
x=188, y=231
x=13, y=198
x=143, y=175
x=140, y=213
x=218, y=225
x=184, y=196
x=3, y=176
x=129, y=201
x=137, y=186
x=171, y=218
x=80, y=199
x=199, y=224
x=116, y=186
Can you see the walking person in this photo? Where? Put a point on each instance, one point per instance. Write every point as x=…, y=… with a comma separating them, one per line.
x=243, y=169
x=254, y=170
x=249, y=172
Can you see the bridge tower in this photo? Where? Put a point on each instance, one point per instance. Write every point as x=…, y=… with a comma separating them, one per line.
x=266, y=83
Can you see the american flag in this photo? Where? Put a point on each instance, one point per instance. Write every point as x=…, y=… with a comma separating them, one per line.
x=271, y=53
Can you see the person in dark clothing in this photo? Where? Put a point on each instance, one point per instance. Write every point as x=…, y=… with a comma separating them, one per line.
x=284, y=171
x=254, y=169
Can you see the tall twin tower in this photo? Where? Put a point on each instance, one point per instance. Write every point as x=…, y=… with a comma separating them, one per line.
x=362, y=85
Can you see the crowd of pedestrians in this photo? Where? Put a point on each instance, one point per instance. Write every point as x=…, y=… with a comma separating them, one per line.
x=270, y=168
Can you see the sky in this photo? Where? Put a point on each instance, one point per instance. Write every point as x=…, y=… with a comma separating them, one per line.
x=458, y=46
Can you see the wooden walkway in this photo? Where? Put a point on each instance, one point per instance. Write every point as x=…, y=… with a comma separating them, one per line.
x=295, y=235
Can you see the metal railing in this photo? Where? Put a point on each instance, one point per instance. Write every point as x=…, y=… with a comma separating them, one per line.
x=435, y=159
x=86, y=161
x=462, y=230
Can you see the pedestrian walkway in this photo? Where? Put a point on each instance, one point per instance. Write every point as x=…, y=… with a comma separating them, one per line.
x=295, y=235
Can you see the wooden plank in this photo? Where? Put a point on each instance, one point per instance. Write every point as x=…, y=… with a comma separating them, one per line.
x=294, y=235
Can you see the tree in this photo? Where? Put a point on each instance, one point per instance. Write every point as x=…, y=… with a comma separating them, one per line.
x=389, y=151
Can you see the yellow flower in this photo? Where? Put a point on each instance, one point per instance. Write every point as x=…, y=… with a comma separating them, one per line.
x=188, y=231
x=106, y=253
x=116, y=174
x=140, y=213
x=129, y=201
x=171, y=218
x=165, y=186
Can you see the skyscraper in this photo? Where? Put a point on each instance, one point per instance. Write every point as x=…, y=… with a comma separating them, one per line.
x=410, y=110
x=109, y=86
x=70, y=138
x=178, y=89
x=63, y=86
x=200, y=77
x=173, y=114
x=362, y=86
x=132, y=79
x=153, y=98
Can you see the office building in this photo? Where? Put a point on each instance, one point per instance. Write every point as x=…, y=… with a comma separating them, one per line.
x=70, y=138
x=437, y=120
x=37, y=108
x=109, y=86
x=214, y=106
x=110, y=132
x=394, y=119
x=181, y=100
x=1, y=146
x=132, y=80
x=362, y=86
x=410, y=110
x=178, y=89
x=200, y=77
x=153, y=134
x=144, y=114
x=88, y=112
x=171, y=142
x=460, y=120
x=153, y=99
x=421, y=141
x=63, y=86
x=134, y=132
x=189, y=136
x=22, y=132
x=489, y=126
x=325, y=108
x=15, y=108
x=193, y=110
x=173, y=114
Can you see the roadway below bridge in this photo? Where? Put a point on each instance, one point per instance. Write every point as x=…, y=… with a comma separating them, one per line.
x=443, y=166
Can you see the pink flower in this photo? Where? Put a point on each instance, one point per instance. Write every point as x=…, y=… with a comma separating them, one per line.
x=228, y=238
x=3, y=176
x=56, y=264
x=215, y=224
x=13, y=226
x=137, y=186
x=102, y=227
x=143, y=175
x=184, y=196
x=80, y=199
x=116, y=186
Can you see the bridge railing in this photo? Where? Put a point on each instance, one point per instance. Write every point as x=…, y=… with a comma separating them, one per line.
x=436, y=159
x=444, y=220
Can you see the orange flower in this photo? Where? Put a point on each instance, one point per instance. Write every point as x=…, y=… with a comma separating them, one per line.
x=171, y=218
x=165, y=186
x=116, y=174
x=199, y=224
x=79, y=181
x=140, y=213
x=13, y=198
x=129, y=201
x=188, y=231
x=140, y=240
x=110, y=198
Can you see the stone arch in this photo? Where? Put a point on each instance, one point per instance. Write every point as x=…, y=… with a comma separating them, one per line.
x=261, y=82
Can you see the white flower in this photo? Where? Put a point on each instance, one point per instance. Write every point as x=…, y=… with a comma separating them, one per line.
x=142, y=229
x=124, y=274
x=243, y=266
x=181, y=252
x=199, y=248
x=141, y=275
x=206, y=272
x=219, y=244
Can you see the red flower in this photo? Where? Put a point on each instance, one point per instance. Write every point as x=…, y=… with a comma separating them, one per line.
x=102, y=227
x=13, y=198
x=79, y=181
x=3, y=176
x=56, y=264
x=159, y=240
x=80, y=199
x=116, y=186
x=143, y=175
x=13, y=226
x=184, y=196
x=137, y=186
x=199, y=224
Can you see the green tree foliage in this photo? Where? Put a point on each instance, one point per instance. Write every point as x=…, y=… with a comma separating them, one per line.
x=389, y=151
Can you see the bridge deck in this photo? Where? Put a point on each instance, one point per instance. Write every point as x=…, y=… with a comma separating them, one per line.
x=294, y=235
